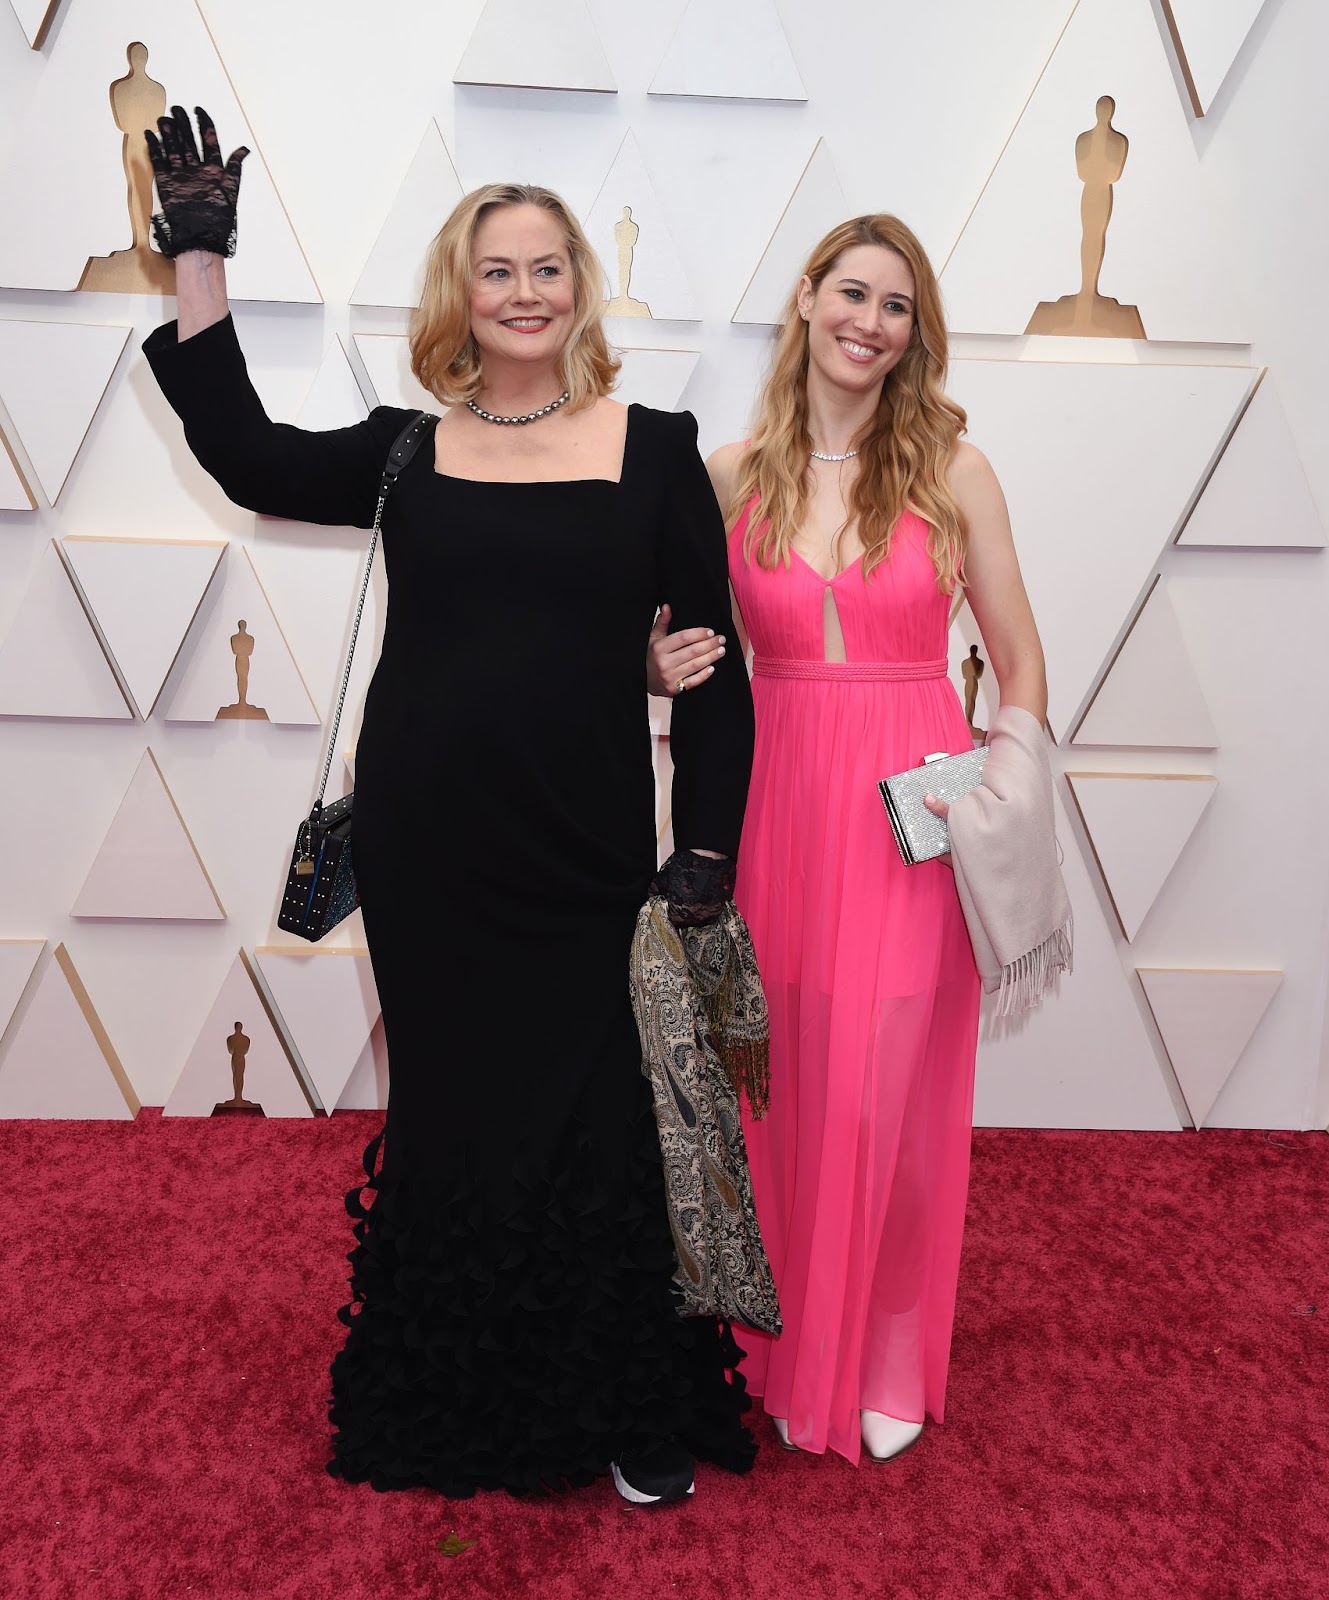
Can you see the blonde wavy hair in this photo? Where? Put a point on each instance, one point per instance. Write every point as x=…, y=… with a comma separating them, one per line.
x=904, y=454
x=444, y=355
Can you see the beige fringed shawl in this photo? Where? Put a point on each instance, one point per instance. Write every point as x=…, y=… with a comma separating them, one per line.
x=1004, y=852
x=701, y=1016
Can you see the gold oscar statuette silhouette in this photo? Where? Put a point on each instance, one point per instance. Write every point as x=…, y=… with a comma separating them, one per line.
x=136, y=102
x=242, y=647
x=626, y=233
x=972, y=671
x=1100, y=156
x=237, y=1045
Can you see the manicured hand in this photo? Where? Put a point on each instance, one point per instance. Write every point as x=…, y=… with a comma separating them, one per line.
x=677, y=662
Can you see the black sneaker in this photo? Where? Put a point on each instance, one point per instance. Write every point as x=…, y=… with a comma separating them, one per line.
x=655, y=1476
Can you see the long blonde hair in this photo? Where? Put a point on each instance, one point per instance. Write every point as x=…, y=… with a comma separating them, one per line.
x=444, y=355
x=903, y=457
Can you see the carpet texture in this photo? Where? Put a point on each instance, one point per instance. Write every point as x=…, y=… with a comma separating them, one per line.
x=1139, y=1401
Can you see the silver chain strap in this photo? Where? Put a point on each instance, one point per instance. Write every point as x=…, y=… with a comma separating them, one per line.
x=350, y=654
x=402, y=451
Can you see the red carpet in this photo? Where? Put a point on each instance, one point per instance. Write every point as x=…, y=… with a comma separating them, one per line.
x=1139, y=1401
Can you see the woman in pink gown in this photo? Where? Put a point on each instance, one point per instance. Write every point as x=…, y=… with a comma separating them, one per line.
x=855, y=510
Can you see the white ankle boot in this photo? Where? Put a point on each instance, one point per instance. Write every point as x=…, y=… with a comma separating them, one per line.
x=884, y=1437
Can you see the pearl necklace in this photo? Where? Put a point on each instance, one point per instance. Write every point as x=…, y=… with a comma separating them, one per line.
x=531, y=416
x=818, y=455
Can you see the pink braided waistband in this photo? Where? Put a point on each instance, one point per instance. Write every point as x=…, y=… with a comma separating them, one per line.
x=848, y=671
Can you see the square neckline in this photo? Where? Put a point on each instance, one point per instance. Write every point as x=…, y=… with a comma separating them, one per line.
x=549, y=483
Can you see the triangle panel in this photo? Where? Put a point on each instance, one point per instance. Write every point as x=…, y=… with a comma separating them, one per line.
x=394, y=272
x=527, y=44
x=1207, y=35
x=15, y=494
x=99, y=94
x=60, y=1062
x=1257, y=496
x=1085, y=1058
x=335, y=399
x=1138, y=824
x=815, y=207
x=145, y=594
x=628, y=227
x=18, y=960
x=51, y=662
x=367, y=1087
x=35, y=17
x=238, y=1057
x=654, y=378
x=329, y=1004
x=735, y=51
x=53, y=376
x=387, y=359
x=148, y=867
x=1151, y=695
x=1099, y=427
x=1162, y=254
x=238, y=666
x=1206, y=1018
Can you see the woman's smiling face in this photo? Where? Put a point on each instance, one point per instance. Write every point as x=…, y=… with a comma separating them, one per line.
x=523, y=295
x=861, y=316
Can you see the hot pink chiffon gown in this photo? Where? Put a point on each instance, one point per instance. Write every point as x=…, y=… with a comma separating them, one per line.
x=861, y=1166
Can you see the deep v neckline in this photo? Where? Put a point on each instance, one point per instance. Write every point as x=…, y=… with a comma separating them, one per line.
x=843, y=572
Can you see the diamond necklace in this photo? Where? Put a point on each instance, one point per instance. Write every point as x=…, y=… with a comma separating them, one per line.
x=531, y=416
x=820, y=455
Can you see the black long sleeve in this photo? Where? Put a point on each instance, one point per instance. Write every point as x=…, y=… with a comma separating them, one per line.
x=328, y=477
x=712, y=732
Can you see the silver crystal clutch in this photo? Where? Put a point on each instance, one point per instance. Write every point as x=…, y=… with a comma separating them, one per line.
x=920, y=835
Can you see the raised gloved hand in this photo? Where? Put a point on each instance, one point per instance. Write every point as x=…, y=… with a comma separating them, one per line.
x=197, y=195
x=695, y=887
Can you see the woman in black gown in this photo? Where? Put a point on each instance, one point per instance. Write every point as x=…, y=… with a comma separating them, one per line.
x=512, y=1321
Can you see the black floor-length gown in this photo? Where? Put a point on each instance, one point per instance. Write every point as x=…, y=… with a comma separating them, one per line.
x=512, y=1320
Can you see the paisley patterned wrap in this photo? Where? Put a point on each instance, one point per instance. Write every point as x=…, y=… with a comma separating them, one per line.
x=701, y=1016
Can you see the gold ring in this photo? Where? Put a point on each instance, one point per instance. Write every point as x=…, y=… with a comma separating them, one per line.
x=682, y=686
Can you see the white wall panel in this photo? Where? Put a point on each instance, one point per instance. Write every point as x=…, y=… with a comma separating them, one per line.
x=338, y=147
x=1257, y=497
x=35, y=17
x=1208, y=34
x=51, y=663
x=238, y=1027
x=54, y=241
x=144, y=594
x=328, y=1003
x=633, y=237
x=525, y=44
x=1084, y=1058
x=52, y=379
x=1164, y=252
x=14, y=492
x=1093, y=498
x=1207, y=1019
x=736, y=51
x=59, y=1061
x=394, y=272
x=18, y=959
x=1151, y=694
x=237, y=629
x=148, y=866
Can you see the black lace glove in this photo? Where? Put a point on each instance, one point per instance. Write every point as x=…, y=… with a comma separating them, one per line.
x=696, y=887
x=197, y=196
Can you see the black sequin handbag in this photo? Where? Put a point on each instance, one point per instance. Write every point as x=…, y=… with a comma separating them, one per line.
x=320, y=882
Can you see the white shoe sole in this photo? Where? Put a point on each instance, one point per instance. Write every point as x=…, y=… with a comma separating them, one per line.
x=636, y=1496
